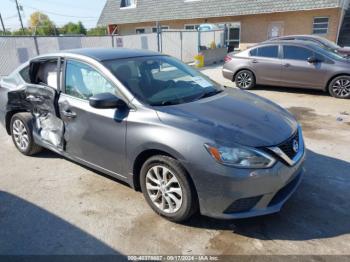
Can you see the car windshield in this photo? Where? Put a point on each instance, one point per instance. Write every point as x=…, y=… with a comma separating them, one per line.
x=162, y=80
x=331, y=53
x=329, y=44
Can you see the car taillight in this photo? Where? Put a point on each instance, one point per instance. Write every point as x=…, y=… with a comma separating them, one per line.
x=227, y=59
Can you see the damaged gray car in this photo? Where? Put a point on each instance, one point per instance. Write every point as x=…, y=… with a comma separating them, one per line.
x=159, y=125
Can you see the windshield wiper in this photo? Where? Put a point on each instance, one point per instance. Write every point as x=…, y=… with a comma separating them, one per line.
x=209, y=94
x=166, y=103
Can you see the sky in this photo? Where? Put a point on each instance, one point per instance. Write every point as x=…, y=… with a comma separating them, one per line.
x=59, y=11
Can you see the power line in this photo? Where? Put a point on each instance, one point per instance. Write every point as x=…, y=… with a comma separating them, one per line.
x=10, y=17
x=70, y=6
x=53, y=13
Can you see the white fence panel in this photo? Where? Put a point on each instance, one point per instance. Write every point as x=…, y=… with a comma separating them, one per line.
x=171, y=44
x=189, y=46
x=180, y=44
x=47, y=44
x=219, y=38
x=141, y=41
x=96, y=41
x=15, y=51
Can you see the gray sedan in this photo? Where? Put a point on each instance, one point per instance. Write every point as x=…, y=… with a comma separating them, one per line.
x=287, y=63
x=160, y=126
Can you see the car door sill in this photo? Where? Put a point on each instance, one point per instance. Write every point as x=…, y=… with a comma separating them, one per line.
x=63, y=153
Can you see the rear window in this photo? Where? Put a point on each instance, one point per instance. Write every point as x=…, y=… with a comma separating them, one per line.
x=266, y=51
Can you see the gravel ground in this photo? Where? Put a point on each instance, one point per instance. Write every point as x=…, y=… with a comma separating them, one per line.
x=50, y=205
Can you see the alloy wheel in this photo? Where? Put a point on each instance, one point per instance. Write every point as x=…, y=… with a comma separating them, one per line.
x=20, y=135
x=341, y=87
x=244, y=80
x=164, y=189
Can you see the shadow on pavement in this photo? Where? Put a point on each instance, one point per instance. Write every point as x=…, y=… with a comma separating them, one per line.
x=27, y=229
x=318, y=209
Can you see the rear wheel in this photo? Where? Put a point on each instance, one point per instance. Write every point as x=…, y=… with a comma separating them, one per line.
x=22, y=134
x=245, y=79
x=339, y=87
x=167, y=189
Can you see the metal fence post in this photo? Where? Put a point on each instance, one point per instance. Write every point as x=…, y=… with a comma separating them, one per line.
x=158, y=36
x=199, y=41
x=36, y=45
x=161, y=42
x=112, y=41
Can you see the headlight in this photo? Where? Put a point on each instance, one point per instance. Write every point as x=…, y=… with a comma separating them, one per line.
x=242, y=157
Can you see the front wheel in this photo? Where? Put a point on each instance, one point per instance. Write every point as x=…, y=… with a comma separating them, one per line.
x=339, y=87
x=245, y=79
x=167, y=189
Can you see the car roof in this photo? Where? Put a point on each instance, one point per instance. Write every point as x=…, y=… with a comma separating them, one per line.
x=296, y=36
x=288, y=42
x=103, y=54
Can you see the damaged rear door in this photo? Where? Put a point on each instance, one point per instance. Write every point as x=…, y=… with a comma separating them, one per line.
x=40, y=97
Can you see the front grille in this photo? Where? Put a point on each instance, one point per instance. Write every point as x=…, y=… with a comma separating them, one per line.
x=284, y=191
x=242, y=205
x=287, y=146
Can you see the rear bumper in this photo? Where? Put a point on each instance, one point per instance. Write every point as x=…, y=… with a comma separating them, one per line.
x=239, y=193
x=228, y=74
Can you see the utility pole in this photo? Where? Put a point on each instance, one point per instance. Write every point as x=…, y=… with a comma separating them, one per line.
x=19, y=15
x=3, y=26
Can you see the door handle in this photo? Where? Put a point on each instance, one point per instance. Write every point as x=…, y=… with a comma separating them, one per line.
x=32, y=98
x=287, y=65
x=69, y=114
x=255, y=61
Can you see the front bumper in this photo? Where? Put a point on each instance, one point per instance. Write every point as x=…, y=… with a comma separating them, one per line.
x=231, y=193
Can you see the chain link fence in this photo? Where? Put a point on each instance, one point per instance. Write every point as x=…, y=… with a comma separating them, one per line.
x=183, y=45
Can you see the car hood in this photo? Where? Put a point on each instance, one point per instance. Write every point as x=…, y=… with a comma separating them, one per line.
x=344, y=50
x=232, y=117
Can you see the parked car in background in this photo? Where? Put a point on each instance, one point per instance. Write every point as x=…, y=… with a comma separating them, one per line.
x=323, y=42
x=288, y=63
x=208, y=27
x=160, y=126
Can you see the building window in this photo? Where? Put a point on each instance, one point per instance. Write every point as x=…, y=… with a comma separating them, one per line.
x=191, y=27
x=128, y=3
x=154, y=29
x=275, y=29
x=140, y=30
x=320, y=26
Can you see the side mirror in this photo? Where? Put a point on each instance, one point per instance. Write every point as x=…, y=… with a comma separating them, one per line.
x=106, y=100
x=314, y=60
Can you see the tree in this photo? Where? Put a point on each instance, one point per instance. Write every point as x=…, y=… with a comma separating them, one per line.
x=97, y=31
x=73, y=29
x=5, y=33
x=17, y=32
x=41, y=24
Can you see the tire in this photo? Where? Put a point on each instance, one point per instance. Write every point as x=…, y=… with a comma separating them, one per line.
x=245, y=79
x=339, y=87
x=180, y=212
x=22, y=134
